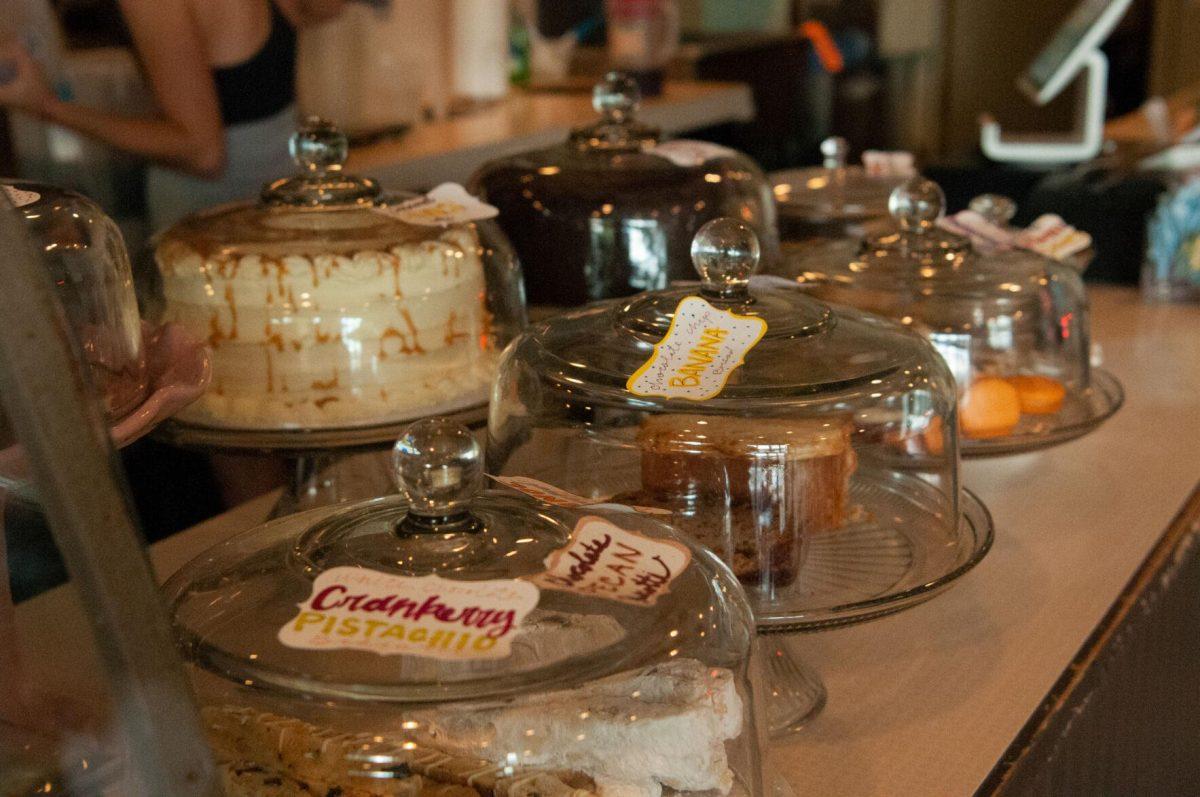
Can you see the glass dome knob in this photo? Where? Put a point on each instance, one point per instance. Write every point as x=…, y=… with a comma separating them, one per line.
x=917, y=204
x=616, y=96
x=995, y=208
x=725, y=252
x=835, y=149
x=319, y=146
x=439, y=465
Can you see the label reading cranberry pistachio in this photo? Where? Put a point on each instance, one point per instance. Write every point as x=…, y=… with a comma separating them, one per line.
x=701, y=349
x=603, y=560
x=19, y=197
x=549, y=494
x=445, y=205
x=429, y=616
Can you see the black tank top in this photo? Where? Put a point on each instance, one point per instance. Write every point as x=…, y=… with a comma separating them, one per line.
x=265, y=83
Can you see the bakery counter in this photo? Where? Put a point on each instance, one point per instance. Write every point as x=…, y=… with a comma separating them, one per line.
x=450, y=150
x=957, y=694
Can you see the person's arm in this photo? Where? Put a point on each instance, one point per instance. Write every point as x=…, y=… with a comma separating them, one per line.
x=187, y=135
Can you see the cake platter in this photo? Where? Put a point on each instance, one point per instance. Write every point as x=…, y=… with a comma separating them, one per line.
x=859, y=573
x=327, y=465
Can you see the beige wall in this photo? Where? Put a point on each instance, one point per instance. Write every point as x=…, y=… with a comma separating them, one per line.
x=1176, y=59
x=988, y=44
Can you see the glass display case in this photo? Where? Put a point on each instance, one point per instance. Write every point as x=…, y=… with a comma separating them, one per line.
x=612, y=210
x=86, y=255
x=456, y=640
x=1012, y=325
x=330, y=305
x=835, y=421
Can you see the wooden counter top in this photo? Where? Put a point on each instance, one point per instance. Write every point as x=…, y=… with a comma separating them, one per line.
x=452, y=149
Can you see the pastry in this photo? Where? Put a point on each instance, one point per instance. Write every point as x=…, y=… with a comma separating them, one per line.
x=632, y=733
x=304, y=756
x=1039, y=395
x=307, y=339
x=749, y=488
x=990, y=407
x=629, y=735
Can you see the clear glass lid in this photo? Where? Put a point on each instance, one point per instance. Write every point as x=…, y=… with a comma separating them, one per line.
x=612, y=210
x=1011, y=323
x=456, y=637
x=834, y=192
x=88, y=261
x=328, y=304
x=450, y=543
x=759, y=417
x=808, y=348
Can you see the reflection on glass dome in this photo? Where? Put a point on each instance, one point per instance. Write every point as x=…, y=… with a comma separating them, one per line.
x=451, y=641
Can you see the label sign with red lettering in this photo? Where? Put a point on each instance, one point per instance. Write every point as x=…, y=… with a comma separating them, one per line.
x=429, y=616
x=701, y=349
x=606, y=561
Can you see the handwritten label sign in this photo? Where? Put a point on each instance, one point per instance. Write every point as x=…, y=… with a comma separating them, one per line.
x=688, y=153
x=699, y=352
x=549, y=494
x=20, y=197
x=1051, y=236
x=429, y=616
x=888, y=164
x=445, y=205
x=604, y=560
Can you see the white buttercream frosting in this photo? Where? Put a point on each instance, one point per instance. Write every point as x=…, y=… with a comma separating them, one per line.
x=335, y=339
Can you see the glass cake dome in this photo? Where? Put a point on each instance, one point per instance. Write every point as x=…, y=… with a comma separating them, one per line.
x=612, y=210
x=1012, y=325
x=88, y=261
x=473, y=641
x=329, y=304
x=810, y=421
x=833, y=200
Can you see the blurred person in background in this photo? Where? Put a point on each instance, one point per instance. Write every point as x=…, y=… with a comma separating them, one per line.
x=222, y=73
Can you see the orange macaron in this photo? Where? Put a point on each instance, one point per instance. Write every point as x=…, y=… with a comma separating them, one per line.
x=1040, y=395
x=990, y=407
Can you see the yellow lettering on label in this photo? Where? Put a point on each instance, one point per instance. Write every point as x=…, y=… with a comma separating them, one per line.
x=418, y=635
x=396, y=631
x=699, y=358
x=349, y=627
x=307, y=618
x=484, y=643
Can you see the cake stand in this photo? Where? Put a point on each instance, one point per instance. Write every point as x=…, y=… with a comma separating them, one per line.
x=1082, y=411
x=861, y=572
x=328, y=465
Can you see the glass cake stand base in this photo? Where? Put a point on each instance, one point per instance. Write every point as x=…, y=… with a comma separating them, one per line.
x=794, y=691
x=327, y=465
x=865, y=571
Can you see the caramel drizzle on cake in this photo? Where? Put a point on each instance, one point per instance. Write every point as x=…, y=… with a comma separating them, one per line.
x=330, y=384
x=453, y=334
x=406, y=347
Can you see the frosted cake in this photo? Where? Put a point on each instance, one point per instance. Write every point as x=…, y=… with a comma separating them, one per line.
x=331, y=325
